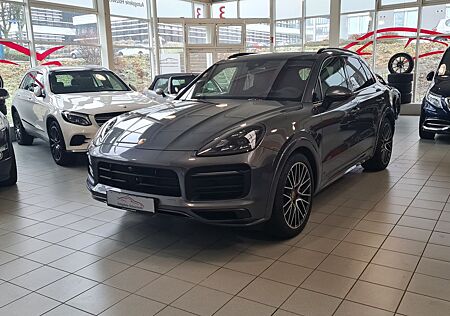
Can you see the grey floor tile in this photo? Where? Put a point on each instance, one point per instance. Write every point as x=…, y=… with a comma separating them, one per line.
x=241, y=307
x=267, y=292
x=304, y=302
x=419, y=305
x=194, y=301
x=97, y=299
x=134, y=305
x=67, y=288
x=165, y=289
x=31, y=305
x=375, y=295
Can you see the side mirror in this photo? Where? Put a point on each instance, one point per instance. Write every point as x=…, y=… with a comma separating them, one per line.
x=336, y=94
x=38, y=92
x=133, y=87
x=160, y=92
x=430, y=76
x=380, y=79
x=3, y=94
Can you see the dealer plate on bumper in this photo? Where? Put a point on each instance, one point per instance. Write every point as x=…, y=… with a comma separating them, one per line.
x=130, y=202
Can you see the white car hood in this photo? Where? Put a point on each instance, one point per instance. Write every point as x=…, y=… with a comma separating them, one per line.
x=102, y=102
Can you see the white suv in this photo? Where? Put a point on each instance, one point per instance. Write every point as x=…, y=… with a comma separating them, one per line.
x=67, y=105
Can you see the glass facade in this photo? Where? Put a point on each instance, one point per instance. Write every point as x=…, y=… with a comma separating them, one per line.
x=69, y=32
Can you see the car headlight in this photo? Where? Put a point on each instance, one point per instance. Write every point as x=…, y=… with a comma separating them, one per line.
x=434, y=99
x=236, y=142
x=76, y=118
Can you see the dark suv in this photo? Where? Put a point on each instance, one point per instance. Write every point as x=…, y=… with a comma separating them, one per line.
x=435, y=114
x=250, y=140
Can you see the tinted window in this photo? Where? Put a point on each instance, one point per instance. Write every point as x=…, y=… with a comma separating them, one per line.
x=62, y=82
x=271, y=79
x=444, y=66
x=179, y=83
x=333, y=74
x=356, y=75
x=161, y=83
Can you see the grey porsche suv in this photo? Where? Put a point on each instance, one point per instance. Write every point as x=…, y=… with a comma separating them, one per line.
x=250, y=141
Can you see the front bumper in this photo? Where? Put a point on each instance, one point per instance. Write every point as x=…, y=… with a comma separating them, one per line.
x=251, y=209
x=77, y=137
x=436, y=120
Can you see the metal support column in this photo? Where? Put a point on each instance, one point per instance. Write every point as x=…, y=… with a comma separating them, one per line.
x=104, y=25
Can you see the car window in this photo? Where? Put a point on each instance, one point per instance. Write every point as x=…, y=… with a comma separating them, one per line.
x=27, y=81
x=356, y=75
x=179, y=83
x=269, y=79
x=444, y=66
x=221, y=82
x=333, y=74
x=76, y=81
x=317, y=93
x=447, y=23
x=161, y=83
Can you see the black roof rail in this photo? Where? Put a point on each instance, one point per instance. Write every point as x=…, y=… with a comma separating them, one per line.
x=335, y=49
x=239, y=55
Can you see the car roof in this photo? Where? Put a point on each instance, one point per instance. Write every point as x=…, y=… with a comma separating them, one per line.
x=319, y=55
x=68, y=68
x=176, y=74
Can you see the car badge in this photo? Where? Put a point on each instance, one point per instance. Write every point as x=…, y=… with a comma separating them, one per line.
x=142, y=141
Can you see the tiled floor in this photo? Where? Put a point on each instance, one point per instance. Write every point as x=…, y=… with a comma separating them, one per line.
x=376, y=244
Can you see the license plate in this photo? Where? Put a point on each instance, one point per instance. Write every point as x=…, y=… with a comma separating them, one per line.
x=130, y=202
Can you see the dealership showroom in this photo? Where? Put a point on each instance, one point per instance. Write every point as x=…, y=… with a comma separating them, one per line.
x=225, y=157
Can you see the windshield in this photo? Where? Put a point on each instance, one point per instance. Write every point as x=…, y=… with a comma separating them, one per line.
x=444, y=66
x=62, y=82
x=269, y=79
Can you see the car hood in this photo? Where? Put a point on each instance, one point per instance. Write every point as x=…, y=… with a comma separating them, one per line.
x=441, y=87
x=184, y=125
x=102, y=102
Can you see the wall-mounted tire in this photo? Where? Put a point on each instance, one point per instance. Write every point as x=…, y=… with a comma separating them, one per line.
x=406, y=98
x=400, y=78
x=401, y=63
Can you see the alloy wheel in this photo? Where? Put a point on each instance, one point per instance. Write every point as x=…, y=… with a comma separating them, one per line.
x=400, y=64
x=297, y=195
x=386, y=143
x=17, y=127
x=56, y=143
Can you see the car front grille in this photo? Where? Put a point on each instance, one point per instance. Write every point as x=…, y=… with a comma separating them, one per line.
x=218, y=183
x=105, y=117
x=139, y=179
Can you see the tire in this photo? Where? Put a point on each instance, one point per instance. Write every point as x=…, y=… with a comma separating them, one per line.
x=400, y=78
x=74, y=56
x=58, y=146
x=383, y=151
x=424, y=134
x=404, y=87
x=406, y=98
x=12, y=179
x=290, y=218
x=22, y=137
x=401, y=63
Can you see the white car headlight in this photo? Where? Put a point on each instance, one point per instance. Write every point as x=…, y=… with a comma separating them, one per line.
x=434, y=99
x=236, y=142
x=76, y=118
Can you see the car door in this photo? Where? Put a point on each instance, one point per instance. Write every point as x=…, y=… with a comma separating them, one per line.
x=369, y=97
x=24, y=102
x=40, y=104
x=337, y=135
